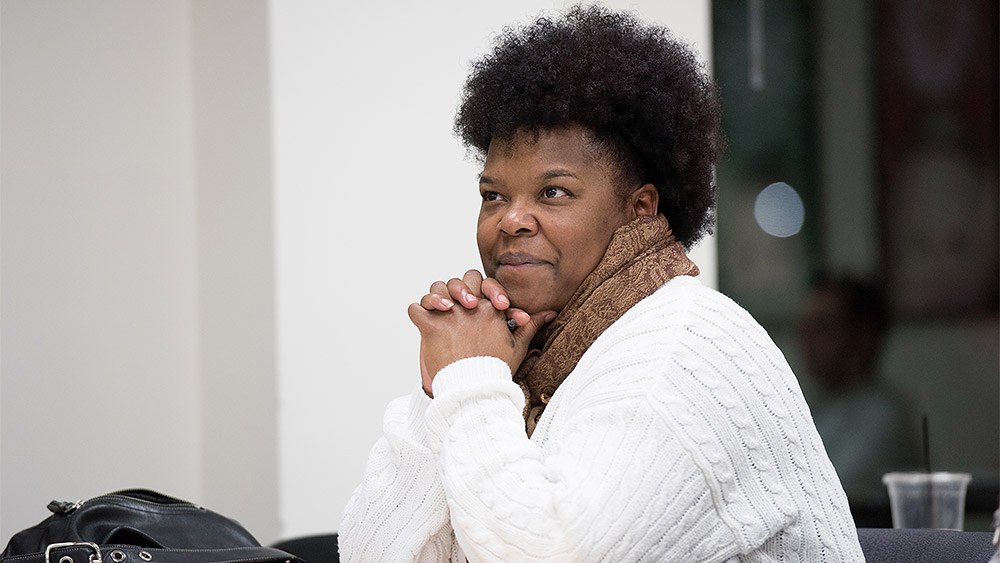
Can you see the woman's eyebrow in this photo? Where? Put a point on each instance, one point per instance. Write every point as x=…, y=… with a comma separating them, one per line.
x=557, y=173
x=548, y=175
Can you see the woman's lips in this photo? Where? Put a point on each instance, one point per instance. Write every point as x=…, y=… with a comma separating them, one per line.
x=520, y=260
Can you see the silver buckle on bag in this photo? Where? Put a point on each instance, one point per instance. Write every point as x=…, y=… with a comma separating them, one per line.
x=95, y=558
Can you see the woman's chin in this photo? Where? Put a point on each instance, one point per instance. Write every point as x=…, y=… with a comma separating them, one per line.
x=531, y=302
x=531, y=293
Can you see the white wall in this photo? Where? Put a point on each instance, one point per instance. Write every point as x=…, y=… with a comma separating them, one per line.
x=374, y=200
x=99, y=372
x=137, y=258
x=231, y=84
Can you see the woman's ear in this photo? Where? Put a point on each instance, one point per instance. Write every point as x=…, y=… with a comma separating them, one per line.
x=644, y=201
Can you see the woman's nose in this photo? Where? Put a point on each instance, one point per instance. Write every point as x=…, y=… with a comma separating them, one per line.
x=518, y=219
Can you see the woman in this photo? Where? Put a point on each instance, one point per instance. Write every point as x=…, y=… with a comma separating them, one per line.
x=590, y=400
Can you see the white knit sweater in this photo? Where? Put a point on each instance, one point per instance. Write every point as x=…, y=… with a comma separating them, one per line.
x=680, y=436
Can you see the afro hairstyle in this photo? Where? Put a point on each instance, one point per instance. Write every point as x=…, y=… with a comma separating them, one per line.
x=643, y=95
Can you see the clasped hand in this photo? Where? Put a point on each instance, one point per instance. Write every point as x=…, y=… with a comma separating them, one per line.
x=478, y=327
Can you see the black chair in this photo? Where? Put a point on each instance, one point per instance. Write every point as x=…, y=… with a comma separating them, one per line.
x=313, y=549
x=888, y=545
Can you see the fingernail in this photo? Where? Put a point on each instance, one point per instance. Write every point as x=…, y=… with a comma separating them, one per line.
x=549, y=316
x=502, y=299
x=447, y=302
x=468, y=298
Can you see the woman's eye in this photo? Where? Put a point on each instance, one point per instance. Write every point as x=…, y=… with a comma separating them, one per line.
x=490, y=196
x=552, y=191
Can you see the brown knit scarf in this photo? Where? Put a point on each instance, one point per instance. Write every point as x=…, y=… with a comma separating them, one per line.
x=642, y=256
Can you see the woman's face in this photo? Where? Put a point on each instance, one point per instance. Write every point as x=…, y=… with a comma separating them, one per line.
x=550, y=207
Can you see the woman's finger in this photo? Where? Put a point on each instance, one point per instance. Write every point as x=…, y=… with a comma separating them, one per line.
x=462, y=293
x=496, y=293
x=418, y=314
x=436, y=302
x=437, y=298
x=438, y=287
x=520, y=317
x=474, y=280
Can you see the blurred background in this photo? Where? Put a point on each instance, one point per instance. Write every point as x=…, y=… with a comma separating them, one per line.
x=213, y=214
x=858, y=223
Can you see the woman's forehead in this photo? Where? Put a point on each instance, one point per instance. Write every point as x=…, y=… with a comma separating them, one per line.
x=547, y=152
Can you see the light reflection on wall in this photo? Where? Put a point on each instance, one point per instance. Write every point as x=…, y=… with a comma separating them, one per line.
x=779, y=211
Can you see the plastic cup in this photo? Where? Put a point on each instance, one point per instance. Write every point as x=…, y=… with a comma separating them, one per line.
x=927, y=500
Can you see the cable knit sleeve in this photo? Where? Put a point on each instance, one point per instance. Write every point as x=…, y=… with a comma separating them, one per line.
x=398, y=513
x=619, y=480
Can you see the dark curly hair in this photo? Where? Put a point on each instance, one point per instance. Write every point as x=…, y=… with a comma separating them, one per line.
x=646, y=99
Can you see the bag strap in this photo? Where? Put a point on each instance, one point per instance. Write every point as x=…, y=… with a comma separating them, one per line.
x=85, y=552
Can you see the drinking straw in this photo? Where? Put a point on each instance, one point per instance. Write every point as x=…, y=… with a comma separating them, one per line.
x=926, y=443
x=935, y=509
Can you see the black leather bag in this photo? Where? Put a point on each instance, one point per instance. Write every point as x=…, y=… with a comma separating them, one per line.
x=137, y=526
